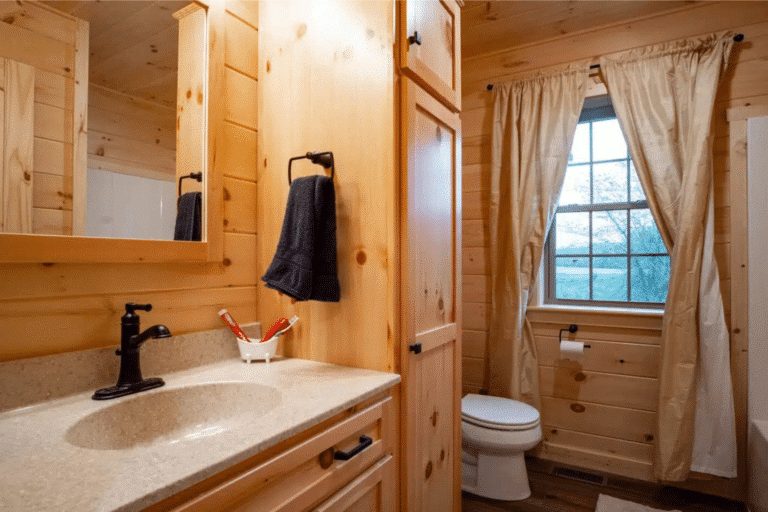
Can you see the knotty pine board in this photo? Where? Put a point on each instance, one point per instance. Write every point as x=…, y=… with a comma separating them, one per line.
x=46, y=309
x=745, y=83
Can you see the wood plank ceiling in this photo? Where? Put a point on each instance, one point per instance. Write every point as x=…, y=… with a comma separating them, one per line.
x=133, y=45
x=491, y=26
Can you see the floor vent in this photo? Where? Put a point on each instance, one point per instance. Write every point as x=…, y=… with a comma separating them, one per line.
x=581, y=476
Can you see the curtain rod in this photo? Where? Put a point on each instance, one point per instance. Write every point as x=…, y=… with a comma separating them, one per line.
x=737, y=38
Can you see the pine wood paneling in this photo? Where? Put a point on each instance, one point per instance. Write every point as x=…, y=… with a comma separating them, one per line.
x=239, y=206
x=474, y=261
x=623, y=345
x=241, y=46
x=116, y=113
x=604, y=356
x=46, y=309
x=18, y=166
x=53, y=123
x=476, y=288
x=52, y=191
x=241, y=98
x=39, y=19
x=489, y=25
x=78, y=323
x=331, y=90
x=474, y=343
x=51, y=222
x=597, y=387
x=37, y=50
x=598, y=419
x=239, y=152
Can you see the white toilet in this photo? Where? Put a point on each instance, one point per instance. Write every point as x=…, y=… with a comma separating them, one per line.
x=495, y=432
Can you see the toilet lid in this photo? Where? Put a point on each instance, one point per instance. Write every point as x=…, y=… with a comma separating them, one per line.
x=498, y=413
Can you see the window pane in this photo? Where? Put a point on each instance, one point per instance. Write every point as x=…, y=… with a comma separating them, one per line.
x=609, y=232
x=580, y=149
x=610, y=182
x=572, y=278
x=575, y=185
x=650, y=277
x=607, y=141
x=645, y=236
x=572, y=233
x=609, y=279
x=635, y=189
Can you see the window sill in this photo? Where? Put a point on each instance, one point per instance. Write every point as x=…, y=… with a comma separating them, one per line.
x=549, y=309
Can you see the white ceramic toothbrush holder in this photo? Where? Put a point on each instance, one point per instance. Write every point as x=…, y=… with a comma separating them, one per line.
x=256, y=351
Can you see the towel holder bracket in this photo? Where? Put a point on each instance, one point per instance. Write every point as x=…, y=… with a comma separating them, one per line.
x=197, y=176
x=324, y=158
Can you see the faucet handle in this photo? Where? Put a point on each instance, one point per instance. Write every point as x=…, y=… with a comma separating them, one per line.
x=131, y=307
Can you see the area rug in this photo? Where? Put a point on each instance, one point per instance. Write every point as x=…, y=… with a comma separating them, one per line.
x=610, y=504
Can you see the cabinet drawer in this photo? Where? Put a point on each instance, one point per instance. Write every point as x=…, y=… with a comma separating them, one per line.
x=302, y=476
x=373, y=491
x=430, y=47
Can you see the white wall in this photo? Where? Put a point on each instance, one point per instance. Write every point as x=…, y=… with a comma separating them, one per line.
x=124, y=206
x=757, y=176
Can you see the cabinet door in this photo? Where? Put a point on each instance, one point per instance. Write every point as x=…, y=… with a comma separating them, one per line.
x=431, y=293
x=373, y=491
x=430, y=47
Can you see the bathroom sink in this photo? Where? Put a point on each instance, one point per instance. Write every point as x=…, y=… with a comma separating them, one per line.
x=169, y=416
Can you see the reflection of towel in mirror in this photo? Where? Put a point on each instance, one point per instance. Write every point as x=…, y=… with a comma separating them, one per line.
x=189, y=217
x=304, y=266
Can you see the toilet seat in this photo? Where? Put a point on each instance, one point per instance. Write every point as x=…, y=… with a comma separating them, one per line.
x=498, y=413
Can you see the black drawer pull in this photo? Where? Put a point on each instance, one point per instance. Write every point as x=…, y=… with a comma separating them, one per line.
x=365, y=442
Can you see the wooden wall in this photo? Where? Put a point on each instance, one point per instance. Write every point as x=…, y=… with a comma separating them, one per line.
x=53, y=308
x=129, y=135
x=605, y=388
x=327, y=84
x=38, y=36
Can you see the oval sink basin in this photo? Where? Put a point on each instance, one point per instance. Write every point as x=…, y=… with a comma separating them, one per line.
x=168, y=416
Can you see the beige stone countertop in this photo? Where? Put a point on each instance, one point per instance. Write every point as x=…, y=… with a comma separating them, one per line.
x=42, y=468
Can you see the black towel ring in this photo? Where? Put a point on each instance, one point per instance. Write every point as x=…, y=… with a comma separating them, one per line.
x=325, y=159
x=197, y=176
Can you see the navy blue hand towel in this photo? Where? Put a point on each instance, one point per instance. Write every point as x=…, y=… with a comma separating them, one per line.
x=304, y=266
x=189, y=217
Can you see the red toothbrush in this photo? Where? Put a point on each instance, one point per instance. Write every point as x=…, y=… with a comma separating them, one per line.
x=281, y=324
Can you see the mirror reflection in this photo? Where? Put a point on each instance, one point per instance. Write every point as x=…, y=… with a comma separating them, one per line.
x=103, y=146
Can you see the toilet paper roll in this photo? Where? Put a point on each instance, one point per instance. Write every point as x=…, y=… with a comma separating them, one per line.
x=571, y=350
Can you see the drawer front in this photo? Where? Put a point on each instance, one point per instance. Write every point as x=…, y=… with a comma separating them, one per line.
x=430, y=42
x=373, y=491
x=302, y=476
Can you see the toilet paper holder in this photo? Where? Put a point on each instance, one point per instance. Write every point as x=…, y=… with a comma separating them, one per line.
x=572, y=329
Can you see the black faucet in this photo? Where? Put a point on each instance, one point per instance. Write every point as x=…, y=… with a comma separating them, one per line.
x=130, y=380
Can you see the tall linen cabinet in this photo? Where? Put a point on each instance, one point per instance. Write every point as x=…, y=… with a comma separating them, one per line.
x=378, y=84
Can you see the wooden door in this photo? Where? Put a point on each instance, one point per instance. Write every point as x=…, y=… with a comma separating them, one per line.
x=430, y=49
x=431, y=357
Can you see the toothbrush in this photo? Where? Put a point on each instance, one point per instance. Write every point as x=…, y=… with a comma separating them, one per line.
x=290, y=324
x=280, y=324
x=279, y=328
x=233, y=325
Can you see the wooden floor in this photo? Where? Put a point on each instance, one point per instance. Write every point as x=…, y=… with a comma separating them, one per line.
x=559, y=494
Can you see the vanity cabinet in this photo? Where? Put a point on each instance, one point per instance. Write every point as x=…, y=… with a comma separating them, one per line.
x=430, y=47
x=305, y=472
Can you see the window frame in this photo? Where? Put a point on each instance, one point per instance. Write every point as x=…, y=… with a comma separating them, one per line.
x=595, y=109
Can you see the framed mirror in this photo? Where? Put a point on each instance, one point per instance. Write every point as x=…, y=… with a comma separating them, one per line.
x=105, y=110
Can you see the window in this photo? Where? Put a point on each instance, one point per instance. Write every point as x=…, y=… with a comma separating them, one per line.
x=604, y=248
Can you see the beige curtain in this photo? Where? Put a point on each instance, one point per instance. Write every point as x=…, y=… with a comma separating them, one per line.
x=534, y=121
x=664, y=100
